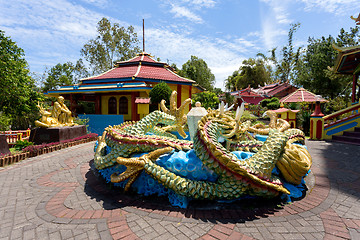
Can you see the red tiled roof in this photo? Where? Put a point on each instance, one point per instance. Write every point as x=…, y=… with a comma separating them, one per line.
x=248, y=92
x=252, y=100
x=117, y=72
x=282, y=109
x=279, y=88
x=161, y=73
x=143, y=67
x=142, y=100
x=145, y=57
x=302, y=95
x=249, y=96
x=273, y=89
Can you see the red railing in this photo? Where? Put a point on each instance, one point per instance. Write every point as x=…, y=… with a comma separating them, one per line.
x=341, y=116
x=13, y=136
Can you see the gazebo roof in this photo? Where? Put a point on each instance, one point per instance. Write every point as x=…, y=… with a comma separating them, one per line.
x=282, y=109
x=302, y=95
x=271, y=90
x=348, y=60
x=141, y=67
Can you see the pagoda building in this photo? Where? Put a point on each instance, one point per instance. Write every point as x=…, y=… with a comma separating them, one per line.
x=278, y=90
x=124, y=89
x=348, y=62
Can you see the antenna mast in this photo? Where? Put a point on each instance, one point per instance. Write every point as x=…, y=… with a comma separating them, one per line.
x=143, y=35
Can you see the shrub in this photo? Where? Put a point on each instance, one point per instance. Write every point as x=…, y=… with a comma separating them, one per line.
x=20, y=145
x=159, y=92
x=272, y=103
x=207, y=99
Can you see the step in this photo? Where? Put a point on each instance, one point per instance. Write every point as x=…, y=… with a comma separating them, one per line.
x=357, y=129
x=346, y=139
x=352, y=134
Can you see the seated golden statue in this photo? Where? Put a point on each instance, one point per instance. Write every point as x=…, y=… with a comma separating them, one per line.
x=59, y=116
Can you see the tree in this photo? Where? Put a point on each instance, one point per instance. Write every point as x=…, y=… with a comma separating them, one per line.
x=59, y=75
x=313, y=73
x=113, y=43
x=197, y=70
x=207, y=99
x=270, y=103
x=289, y=59
x=18, y=98
x=159, y=92
x=217, y=91
x=348, y=39
x=63, y=74
x=253, y=72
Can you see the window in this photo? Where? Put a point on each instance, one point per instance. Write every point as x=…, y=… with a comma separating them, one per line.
x=112, y=105
x=123, y=105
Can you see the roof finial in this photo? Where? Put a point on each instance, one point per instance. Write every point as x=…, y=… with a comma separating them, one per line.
x=143, y=35
x=357, y=20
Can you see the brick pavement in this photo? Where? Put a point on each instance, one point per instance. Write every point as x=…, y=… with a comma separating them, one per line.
x=56, y=196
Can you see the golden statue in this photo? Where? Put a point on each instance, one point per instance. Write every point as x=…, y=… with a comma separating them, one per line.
x=60, y=115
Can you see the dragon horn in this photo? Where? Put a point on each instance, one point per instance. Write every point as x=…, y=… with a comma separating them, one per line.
x=183, y=105
x=237, y=115
x=222, y=108
x=163, y=107
x=239, y=112
x=173, y=101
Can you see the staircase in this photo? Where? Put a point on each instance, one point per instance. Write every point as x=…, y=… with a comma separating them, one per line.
x=349, y=137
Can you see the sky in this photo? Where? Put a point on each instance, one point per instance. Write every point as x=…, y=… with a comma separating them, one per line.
x=222, y=32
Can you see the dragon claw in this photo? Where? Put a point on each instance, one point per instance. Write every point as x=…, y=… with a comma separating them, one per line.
x=178, y=113
x=134, y=166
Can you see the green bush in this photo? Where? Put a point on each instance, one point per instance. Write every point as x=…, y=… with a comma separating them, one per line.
x=20, y=145
x=207, y=99
x=159, y=92
x=248, y=116
x=83, y=121
x=272, y=103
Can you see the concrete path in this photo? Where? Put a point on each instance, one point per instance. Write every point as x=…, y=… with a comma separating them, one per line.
x=56, y=196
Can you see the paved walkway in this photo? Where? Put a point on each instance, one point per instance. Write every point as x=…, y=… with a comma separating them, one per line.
x=56, y=196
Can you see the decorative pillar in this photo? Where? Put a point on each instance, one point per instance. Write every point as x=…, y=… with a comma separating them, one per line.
x=353, y=95
x=178, y=95
x=317, y=123
x=73, y=104
x=190, y=94
x=134, y=114
x=358, y=96
x=97, y=104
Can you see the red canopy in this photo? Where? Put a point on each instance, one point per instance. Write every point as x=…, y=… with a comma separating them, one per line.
x=302, y=95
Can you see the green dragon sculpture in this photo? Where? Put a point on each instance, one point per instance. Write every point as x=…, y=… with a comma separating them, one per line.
x=236, y=178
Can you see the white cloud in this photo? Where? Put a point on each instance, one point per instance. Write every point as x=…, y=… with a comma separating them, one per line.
x=98, y=3
x=220, y=55
x=275, y=16
x=180, y=11
x=338, y=7
x=49, y=31
x=278, y=10
x=186, y=9
x=54, y=32
x=201, y=3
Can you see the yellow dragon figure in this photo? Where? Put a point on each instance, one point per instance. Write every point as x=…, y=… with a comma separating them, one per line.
x=236, y=177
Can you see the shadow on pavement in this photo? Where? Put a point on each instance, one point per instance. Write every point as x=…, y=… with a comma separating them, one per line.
x=207, y=211
x=341, y=163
